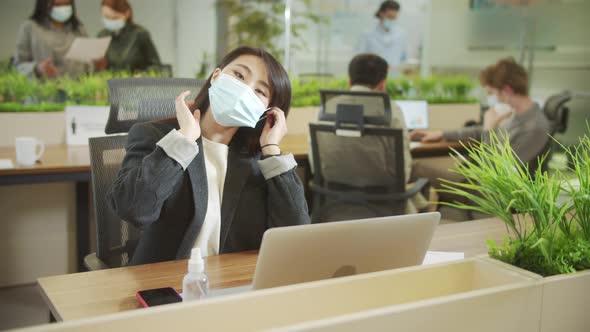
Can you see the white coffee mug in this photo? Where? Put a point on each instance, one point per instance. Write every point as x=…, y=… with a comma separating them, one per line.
x=26, y=150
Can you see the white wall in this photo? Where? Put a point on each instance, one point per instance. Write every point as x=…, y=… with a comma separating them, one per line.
x=12, y=14
x=567, y=67
x=196, y=34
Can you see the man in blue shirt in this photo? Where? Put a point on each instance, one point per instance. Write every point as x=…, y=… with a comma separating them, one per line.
x=387, y=39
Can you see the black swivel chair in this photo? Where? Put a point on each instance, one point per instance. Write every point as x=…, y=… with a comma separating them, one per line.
x=557, y=112
x=350, y=170
x=115, y=239
x=133, y=100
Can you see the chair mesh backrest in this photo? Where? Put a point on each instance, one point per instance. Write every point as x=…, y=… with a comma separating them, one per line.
x=376, y=105
x=374, y=160
x=556, y=111
x=116, y=239
x=136, y=100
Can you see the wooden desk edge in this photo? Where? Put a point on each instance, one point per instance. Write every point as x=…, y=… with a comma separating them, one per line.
x=472, y=227
x=48, y=301
x=41, y=170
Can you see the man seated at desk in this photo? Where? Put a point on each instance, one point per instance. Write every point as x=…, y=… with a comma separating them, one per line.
x=512, y=114
x=368, y=72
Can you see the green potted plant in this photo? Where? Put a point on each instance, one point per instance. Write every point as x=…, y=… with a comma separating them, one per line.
x=260, y=24
x=547, y=235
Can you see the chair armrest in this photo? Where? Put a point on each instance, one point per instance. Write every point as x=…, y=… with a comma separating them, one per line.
x=358, y=195
x=94, y=263
x=417, y=187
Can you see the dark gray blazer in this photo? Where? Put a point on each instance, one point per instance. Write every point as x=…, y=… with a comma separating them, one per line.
x=168, y=204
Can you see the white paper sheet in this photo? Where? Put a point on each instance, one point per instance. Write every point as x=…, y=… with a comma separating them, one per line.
x=435, y=257
x=6, y=164
x=88, y=49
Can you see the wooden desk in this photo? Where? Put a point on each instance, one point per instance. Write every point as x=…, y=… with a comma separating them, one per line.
x=299, y=146
x=422, y=150
x=59, y=163
x=97, y=293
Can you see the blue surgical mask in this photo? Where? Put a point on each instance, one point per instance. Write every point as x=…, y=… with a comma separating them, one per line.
x=113, y=25
x=389, y=24
x=500, y=107
x=233, y=103
x=61, y=13
x=493, y=100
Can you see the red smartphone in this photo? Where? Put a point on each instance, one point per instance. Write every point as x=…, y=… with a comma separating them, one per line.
x=158, y=296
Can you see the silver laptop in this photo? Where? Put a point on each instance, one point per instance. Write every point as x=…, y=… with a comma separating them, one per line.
x=291, y=255
x=297, y=254
x=415, y=113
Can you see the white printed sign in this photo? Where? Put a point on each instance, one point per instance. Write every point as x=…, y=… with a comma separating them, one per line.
x=83, y=122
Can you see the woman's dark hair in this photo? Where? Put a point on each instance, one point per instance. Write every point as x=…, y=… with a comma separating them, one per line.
x=367, y=69
x=120, y=6
x=388, y=5
x=280, y=93
x=42, y=9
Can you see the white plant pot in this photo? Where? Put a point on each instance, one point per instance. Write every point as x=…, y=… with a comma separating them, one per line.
x=299, y=118
x=452, y=116
x=46, y=126
x=50, y=127
x=566, y=303
x=440, y=117
x=469, y=295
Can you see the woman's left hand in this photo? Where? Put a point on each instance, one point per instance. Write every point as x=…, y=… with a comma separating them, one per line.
x=274, y=130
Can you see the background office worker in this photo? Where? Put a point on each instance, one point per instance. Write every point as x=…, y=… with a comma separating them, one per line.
x=368, y=72
x=131, y=46
x=512, y=112
x=213, y=177
x=45, y=38
x=386, y=39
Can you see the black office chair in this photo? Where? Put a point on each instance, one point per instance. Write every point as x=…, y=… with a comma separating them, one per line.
x=115, y=239
x=133, y=100
x=557, y=112
x=136, y=100
x=376, y=105
x=358, y=165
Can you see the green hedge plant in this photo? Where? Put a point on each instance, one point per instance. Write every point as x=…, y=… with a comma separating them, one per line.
x=548, y=235
x=19, y=94
x=435, y=89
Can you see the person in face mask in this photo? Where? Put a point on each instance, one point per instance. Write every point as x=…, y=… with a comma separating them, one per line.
x=131, y=48
x=512, y=114
x=213, y=177
x=45, y=38
x=387, y=39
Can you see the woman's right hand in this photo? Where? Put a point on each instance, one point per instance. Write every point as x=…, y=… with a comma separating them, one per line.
x=189, y=122
x=46, y=68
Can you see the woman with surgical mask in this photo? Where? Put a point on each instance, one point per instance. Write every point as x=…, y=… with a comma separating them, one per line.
x=46, y=37
x=131, y=48
x=213, y=177
x=386, y=39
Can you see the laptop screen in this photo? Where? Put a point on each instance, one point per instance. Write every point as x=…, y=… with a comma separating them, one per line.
x=415, y=113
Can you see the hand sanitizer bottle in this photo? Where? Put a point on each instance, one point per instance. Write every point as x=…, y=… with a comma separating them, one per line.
x=195, y=284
